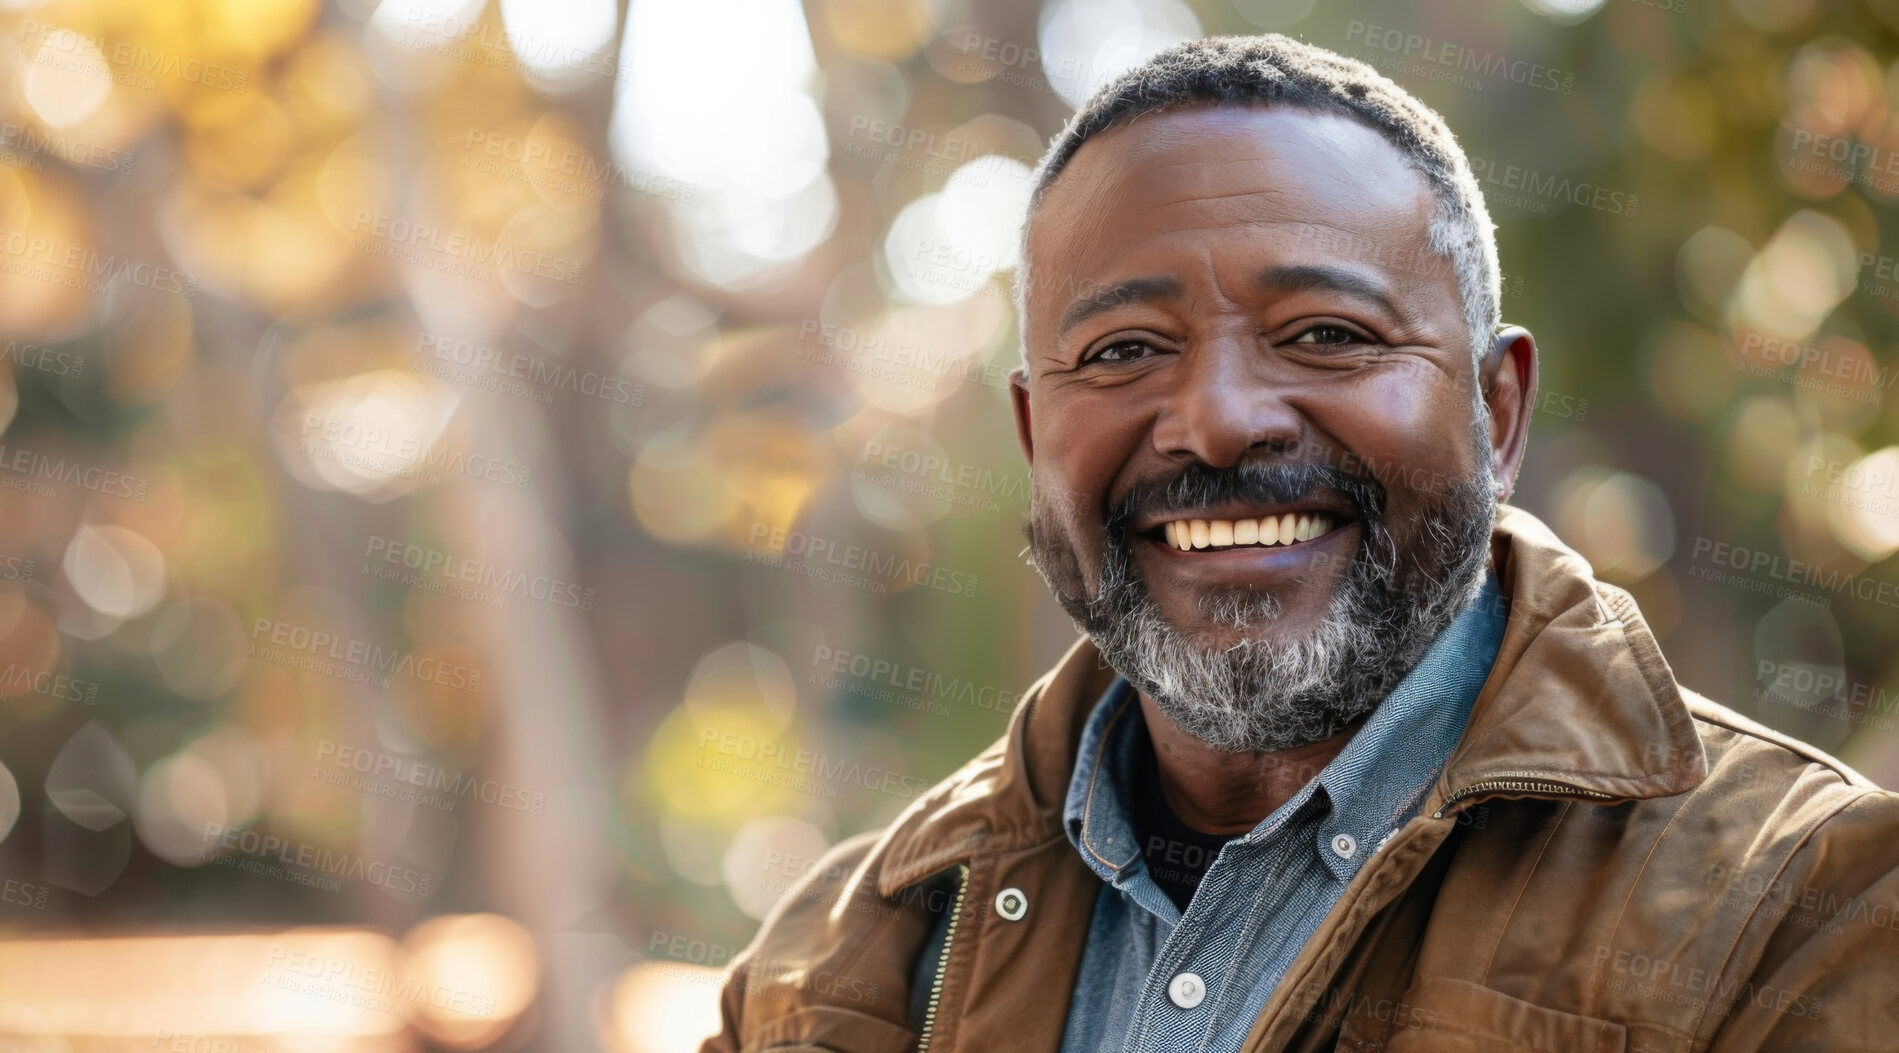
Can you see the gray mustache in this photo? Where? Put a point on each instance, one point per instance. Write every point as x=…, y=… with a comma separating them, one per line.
x=1255, y=482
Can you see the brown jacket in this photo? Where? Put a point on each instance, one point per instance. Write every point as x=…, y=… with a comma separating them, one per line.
x=1609, y=862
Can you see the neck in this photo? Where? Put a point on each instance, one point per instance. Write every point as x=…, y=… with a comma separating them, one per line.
x=1229, y=793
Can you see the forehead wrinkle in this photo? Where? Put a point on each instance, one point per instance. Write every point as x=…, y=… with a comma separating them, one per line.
x=1192, y=198
x=1093, y=197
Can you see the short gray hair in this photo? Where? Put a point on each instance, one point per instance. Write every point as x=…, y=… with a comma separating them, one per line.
x=1271, y=69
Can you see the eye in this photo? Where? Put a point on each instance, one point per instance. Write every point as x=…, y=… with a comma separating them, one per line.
x=1329, y=333
x=1122, y=351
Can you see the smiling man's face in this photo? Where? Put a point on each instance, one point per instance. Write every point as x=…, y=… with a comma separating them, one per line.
x=1262, y=482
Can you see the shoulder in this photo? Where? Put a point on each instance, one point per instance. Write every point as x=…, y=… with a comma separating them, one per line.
x=830, y=965
x=830, y=911
x=1777, y=779
x=1776, y=836
x=1760, y=906
x=1782, y=843
x=840, y=944
x=1802, y=851
x=1774, y=809
x=1725, y=729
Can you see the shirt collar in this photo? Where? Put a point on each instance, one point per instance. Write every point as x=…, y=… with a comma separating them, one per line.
x=1098, y=811
x=1371, y=787
x=1382, y=775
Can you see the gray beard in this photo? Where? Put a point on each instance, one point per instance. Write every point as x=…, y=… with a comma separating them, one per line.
x=1391, y=604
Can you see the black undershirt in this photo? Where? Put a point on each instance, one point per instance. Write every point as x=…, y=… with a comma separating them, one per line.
x=1177, y=855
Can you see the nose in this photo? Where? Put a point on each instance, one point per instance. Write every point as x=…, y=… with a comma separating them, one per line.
x=1223, y=404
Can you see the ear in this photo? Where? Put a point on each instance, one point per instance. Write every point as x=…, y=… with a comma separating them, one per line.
x=1508, y=378
x=1019, y=399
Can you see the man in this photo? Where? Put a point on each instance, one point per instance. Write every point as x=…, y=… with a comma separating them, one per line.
x=1383, y=766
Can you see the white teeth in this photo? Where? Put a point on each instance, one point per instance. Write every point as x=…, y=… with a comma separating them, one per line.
x=1186, y=534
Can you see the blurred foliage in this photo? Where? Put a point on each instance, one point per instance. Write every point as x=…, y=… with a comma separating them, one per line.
x=605, y=406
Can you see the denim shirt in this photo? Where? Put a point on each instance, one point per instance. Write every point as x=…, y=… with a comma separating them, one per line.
x=1153, y=978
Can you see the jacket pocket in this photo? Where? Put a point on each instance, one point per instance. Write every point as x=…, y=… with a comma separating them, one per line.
x=830, y=1029
x=1457, y=1016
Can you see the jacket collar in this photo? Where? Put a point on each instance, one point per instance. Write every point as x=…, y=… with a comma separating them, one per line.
x=1578, y=699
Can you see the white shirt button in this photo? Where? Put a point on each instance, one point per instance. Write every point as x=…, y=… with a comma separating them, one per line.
x=1012, y=904
x=1186, y=990
x=1344, y=845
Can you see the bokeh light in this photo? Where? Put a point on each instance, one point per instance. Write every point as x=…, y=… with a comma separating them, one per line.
x=490, y=492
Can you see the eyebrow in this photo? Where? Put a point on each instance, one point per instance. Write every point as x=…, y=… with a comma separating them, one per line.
x=1306, y=277
x=1288, y=278
x=1120, y=294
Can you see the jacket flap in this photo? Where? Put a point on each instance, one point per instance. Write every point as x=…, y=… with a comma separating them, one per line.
x=1579, y=693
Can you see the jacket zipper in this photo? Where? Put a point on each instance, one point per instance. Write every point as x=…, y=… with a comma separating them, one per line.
x=1520, y=786
x=942, y=960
